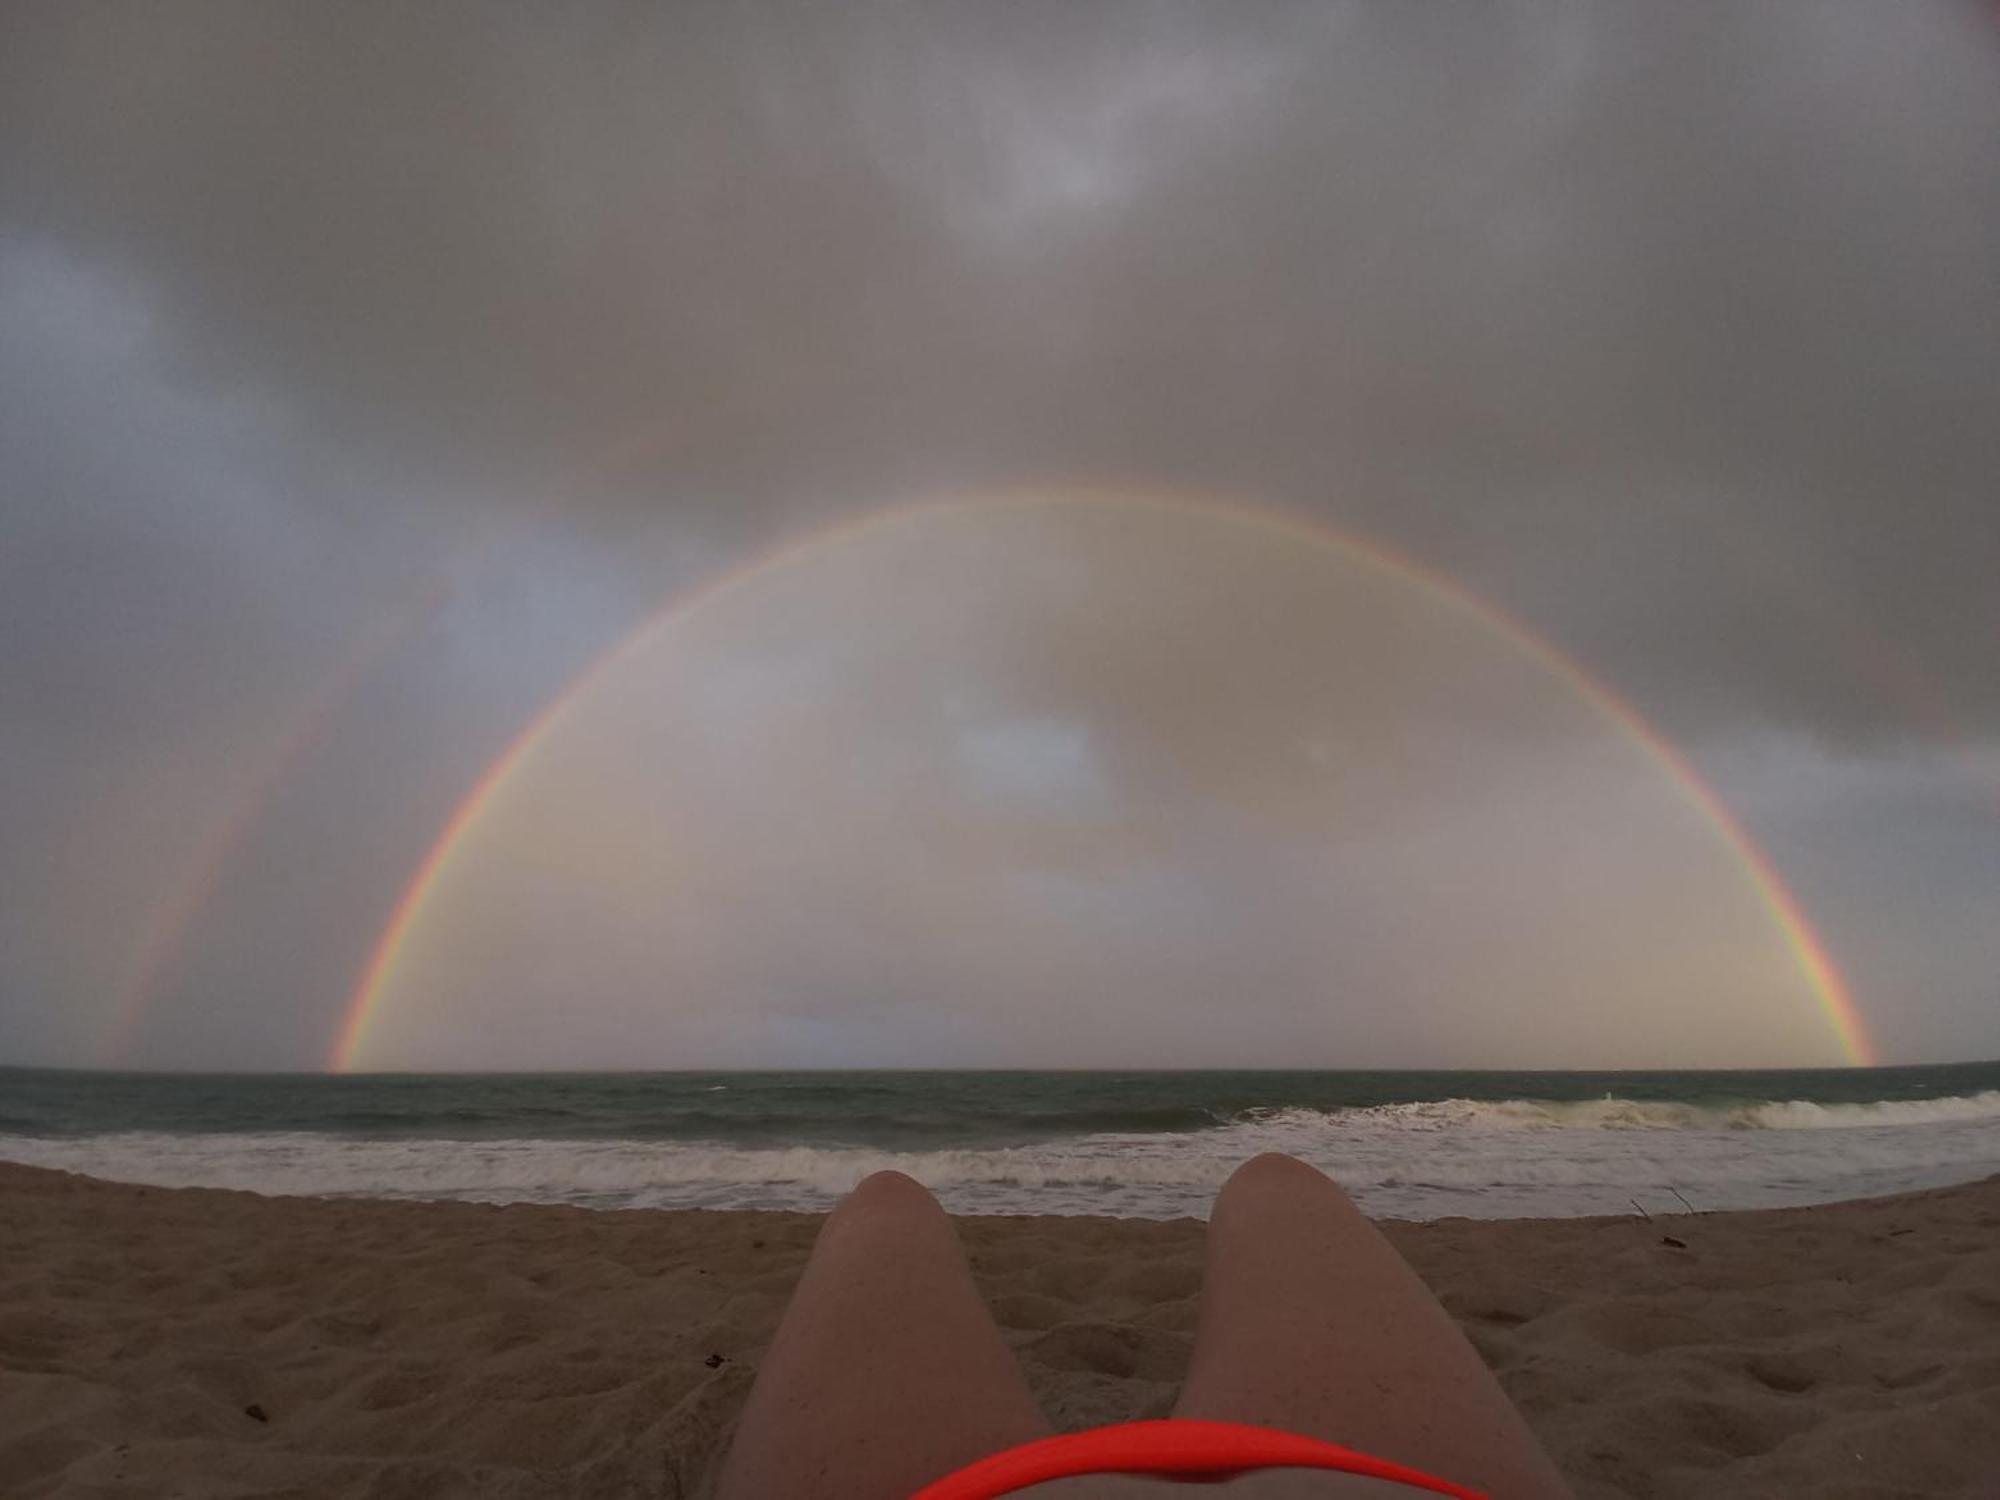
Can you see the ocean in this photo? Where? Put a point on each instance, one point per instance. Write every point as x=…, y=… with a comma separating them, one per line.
x=1418, y=1145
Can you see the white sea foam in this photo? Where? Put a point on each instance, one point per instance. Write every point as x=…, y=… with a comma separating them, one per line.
x=1803, y=1114
x=1451, y=1158
x=1613, y=1113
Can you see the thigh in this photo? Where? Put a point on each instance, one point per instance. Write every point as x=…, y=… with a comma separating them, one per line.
x=887, y=1370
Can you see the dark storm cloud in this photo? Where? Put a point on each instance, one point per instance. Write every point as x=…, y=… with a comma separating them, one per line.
x=1676, y=330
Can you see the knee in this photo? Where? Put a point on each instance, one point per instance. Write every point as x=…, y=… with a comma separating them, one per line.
x=1275, y=1172
x=888, y=1193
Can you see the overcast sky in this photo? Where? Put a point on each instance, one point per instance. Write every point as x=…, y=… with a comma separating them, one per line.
x=366, y=372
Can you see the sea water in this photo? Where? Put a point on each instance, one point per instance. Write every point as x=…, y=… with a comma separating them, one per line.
x=1139, y=1144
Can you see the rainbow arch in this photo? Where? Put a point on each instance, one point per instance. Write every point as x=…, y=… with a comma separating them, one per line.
x=1829, y=987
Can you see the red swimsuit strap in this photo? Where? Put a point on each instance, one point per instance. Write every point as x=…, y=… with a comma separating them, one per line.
x=1174, y=1449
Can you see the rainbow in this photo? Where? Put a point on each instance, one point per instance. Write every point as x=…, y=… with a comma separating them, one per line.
x=163, y=947
x=1829, y=988
x=171, y=926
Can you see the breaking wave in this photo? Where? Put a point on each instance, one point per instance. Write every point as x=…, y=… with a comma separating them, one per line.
x=1454, y=1157
x=1612, y=1113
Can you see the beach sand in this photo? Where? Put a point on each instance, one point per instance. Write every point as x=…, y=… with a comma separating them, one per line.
x=187, y=1342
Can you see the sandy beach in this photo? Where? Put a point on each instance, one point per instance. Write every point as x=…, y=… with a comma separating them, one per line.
x=192, y=1342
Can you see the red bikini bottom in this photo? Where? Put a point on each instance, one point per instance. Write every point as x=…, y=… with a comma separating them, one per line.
x=1202, y=1452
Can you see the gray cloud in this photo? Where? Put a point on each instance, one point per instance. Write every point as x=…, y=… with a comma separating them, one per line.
x=1675, y=332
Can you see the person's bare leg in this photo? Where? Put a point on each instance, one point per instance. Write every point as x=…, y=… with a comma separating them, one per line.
x=887, y=1370
x=1310, y=1321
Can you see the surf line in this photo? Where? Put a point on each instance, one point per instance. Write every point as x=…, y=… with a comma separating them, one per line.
x=1830, y=989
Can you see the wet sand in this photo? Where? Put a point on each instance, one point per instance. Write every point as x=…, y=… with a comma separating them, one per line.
x=192, y=1342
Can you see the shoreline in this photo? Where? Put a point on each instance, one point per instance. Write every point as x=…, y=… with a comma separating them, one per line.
x=1846, y=1349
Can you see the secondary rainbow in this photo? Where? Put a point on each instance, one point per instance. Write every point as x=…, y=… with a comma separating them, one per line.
x=175, y=919
x=162, y=950
x=1829, y=988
